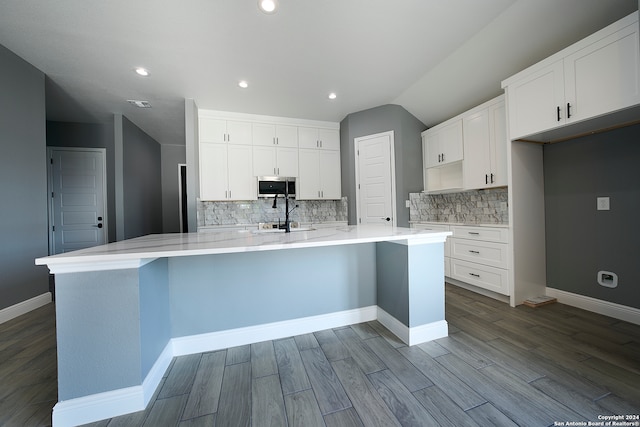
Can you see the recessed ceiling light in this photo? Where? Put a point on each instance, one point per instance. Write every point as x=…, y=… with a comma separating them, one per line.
x=243, y=84
x=268, y=6
x=332, y=95
x=142, y=72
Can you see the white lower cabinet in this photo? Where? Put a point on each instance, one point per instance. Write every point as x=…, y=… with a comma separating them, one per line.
x=480, y=257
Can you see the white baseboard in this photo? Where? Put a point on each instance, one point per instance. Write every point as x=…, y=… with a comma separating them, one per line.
x=617, y=311
x=415, y=335
x=100, y=406
x=113, y=403
x=24, y=307
x=270, y=331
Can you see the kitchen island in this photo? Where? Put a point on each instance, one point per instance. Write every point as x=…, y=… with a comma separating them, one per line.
x=125, y=309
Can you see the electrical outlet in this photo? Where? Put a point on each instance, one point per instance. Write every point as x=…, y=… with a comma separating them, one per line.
x=458, y=208
x=407, y=203
x=503, y=206
x=603, y=203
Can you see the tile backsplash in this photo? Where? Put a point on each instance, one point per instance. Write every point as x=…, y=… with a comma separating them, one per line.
x=472, y=207
x=255, y=211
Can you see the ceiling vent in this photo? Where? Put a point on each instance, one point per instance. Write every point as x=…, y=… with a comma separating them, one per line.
x=139, y=104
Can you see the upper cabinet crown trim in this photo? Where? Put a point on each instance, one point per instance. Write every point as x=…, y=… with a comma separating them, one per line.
x=256, y=118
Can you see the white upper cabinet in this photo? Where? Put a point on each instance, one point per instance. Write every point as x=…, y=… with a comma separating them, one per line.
x=595, y=76
x=275, y=135
x=276, y=161
x=442, y=144
x=319, y=177
x=224, y=131
x=225, y=172
x=327, y=139
x=485, y=146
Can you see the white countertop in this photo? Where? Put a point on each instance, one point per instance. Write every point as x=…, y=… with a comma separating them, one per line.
x=133, y=253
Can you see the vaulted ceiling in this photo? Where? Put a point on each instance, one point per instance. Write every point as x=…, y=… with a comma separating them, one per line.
x=436, y=58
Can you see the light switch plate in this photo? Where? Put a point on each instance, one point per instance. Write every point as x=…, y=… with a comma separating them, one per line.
x=603, y=203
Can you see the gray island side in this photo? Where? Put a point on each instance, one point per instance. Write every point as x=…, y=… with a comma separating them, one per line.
x=125, y=309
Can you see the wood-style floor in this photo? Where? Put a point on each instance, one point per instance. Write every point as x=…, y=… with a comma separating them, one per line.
x=499, y=366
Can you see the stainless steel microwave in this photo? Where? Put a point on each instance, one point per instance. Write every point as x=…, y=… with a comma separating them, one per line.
x=270, y=186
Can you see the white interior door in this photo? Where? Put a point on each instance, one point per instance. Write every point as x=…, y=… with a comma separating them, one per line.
x=375, y=179
x=78, y=199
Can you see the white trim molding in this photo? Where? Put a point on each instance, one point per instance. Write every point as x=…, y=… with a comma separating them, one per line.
x=416, y=334
x=270, y=331
x=24, y=307
x=617, y=311
x=100, y=406
x=113, y=403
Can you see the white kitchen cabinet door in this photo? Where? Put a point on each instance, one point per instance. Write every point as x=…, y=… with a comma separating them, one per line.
x=213, y=172
x=242, y=183
x=443, y=144
x=265, y=134
x=287, y=136
x=264, y=160
x=239, y=132
x=308, y=183
x=498, y=141
x=485, y=147
x=212, y=130
x=221, y=131
x=535, y=102
x=604, y=76
x=330, y=178
x=327, y=139
x=287, y=161
x=275, y=161
x=477, y=161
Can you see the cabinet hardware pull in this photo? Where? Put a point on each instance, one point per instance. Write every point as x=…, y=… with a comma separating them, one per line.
x=475, y=252
x=475, y=233
x=474, y=275
x=558, y=113
x=492, y=178
x=486, y=178
x=443, y=157
x=320, y=143
x=568, y=110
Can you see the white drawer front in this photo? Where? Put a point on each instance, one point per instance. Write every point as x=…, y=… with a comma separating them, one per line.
x=490, y=234
x=488, y=253
x=483, y=276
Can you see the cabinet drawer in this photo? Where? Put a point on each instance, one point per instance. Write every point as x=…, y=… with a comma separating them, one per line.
x=488, y=253
x=483, y=276
x=489, y=234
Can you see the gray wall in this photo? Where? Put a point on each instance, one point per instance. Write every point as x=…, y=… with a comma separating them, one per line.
x=23, y=181
x=89, y=135
x=172, y=155
x=408, y=153
x=141, y=182
x=581, y=240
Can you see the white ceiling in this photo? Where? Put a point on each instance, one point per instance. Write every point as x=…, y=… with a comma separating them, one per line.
x=436, y=58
